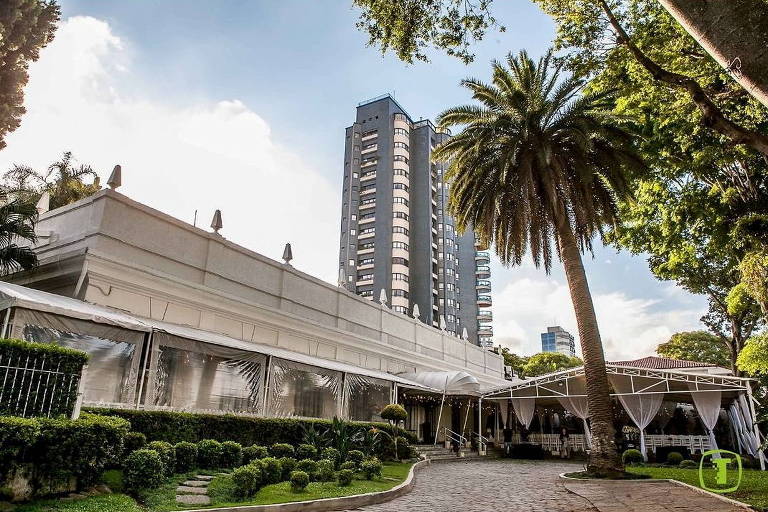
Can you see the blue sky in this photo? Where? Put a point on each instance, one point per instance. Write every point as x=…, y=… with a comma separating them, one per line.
x=241, y=105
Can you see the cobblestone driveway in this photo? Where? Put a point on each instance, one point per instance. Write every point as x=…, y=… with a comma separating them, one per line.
x=503, y=485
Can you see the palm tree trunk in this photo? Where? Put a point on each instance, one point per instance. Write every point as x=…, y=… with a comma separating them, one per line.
x=603, y=458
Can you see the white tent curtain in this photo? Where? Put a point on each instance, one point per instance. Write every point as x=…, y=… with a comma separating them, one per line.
x=744, y=415
x=708, y=406
x=641, y=409
x=524, y=409
x=504, y=418
x=739, y=430
x=577, y=405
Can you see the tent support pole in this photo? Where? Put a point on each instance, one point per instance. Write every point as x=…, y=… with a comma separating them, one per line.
x=5, y=322
x=480, y=426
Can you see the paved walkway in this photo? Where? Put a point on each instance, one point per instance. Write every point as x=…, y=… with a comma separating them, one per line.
x=527, y=486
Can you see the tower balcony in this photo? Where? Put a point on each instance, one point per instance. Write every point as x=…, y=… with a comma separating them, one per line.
x=483, y=272
x=484, y=316
x=483, y=286
x=482, y=258
x=483, y=301
x=484, y=330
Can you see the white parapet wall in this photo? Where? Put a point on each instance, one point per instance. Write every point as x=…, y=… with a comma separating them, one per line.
x=113, y=251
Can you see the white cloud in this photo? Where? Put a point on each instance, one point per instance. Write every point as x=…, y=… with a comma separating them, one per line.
x=200, y=156
x=630, y=327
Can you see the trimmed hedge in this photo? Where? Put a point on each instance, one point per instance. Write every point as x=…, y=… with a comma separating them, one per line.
x=299, y=481
x=345, y=477
x=186, y=456
x=247, y=480
x=174, y=427
x=254, y=452
x=48, y=396
x=167, y=455
x=143, y=469
x=209, y=453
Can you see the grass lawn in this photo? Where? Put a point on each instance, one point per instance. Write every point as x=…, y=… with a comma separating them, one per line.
x=104, y=503
x=753, y=489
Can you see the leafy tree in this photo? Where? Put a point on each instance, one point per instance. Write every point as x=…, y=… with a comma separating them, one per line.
x=753, y=359
x=17, y=225
x=26, y=26
x=548, y=362
x=700, y=346
x=514, y=361
x=64, y=180
x=754, y=277
x=536, y=164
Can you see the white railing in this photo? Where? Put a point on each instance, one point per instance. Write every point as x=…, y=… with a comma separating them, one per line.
x=693, y=443
x=577, y=442
x=453, y=437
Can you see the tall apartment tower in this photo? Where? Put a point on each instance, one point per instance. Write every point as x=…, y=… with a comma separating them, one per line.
x=557, y=339
x=398, y=243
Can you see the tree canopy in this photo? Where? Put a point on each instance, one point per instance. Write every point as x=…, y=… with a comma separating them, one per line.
x=548, y=362
x=26, y=26
x=700, y=346
x=754, y=357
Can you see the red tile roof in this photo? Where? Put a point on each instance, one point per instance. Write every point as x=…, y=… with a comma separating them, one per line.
x=662, y=363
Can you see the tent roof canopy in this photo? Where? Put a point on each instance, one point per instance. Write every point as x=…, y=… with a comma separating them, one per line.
x=675, y=385
x=452, y=382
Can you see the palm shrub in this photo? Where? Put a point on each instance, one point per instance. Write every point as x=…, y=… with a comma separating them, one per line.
x=186, y=456
x=299, y=481
x=314, y=436
x=209, y=453
x=143, y=469
x=254, y=452
x=247, y=480
x=282, y=450
x=231, y=454
x=325, y=471
x=17, y=226
x=306, y=451
x=539, y=164
x=167, y=455
x=287, y=466
x=340, y=435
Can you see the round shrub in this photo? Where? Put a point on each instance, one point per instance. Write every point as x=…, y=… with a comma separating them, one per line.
x=254, y=452
x=186, y=456
x=247, y=480
x=325, y=471
x=688, y=464
x=404, y=450
x=209, y=454
x=288, y=466
x=632, y=456
x=134, y=441
x=281, y=450
x=306, y=451
x=307, y=466
x=143, y=469
x=167, y=455
x=231, y=454
x=271, y=472
x=371, y=468
x=394, y=412
x=299, y=481
x=331, y=454
x=348, y=465
x=345, y=477
x=355, y=456
x=674, y=458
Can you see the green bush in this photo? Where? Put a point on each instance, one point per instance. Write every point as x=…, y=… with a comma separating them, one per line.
x=134, y=441
x=306, y=451
x=254, y=452
x=355, y=456
x=271, y=472
x=371, y=468
x=40, y=395
x=632, y=456
x=186, y=456
x=231, y=454
x=299, y=481
x=282, y=450
x=16, y=436
x=246, y=430
x=404, y=450
x=209, y=454
x=394, y=412
x=167, y=455
x=143, y=469
x=307, y=466
x=287, y=465
x=325, y=471
x=247, y=480
x=345, y=477
x=333, y=455
x=348, y=465
x=674, y=458
x=688, y=464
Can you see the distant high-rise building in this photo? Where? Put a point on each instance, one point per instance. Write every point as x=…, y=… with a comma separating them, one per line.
x=396, y=234
x=557, y=339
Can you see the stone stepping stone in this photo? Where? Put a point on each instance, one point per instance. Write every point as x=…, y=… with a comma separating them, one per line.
x=185, y=489
x=193, y=499
x=197, y=483
x=204, y=477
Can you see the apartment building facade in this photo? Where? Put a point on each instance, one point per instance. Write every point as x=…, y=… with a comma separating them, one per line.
x=398, y=244
x=557, y=339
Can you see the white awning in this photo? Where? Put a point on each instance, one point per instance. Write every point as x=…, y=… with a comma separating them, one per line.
x=12, y=295
x=455, y=382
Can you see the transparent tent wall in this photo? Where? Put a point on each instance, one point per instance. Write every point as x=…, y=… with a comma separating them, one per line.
x=301, y=390
x=365, y=397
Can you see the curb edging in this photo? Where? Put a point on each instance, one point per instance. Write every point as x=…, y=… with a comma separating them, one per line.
x=328, y=504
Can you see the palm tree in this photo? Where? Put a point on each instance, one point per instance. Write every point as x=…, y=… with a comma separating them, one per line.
x=538, y=162
x=17, y=224
x=64, y=181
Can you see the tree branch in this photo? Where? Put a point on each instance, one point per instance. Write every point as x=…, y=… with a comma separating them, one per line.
x=712, y=116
